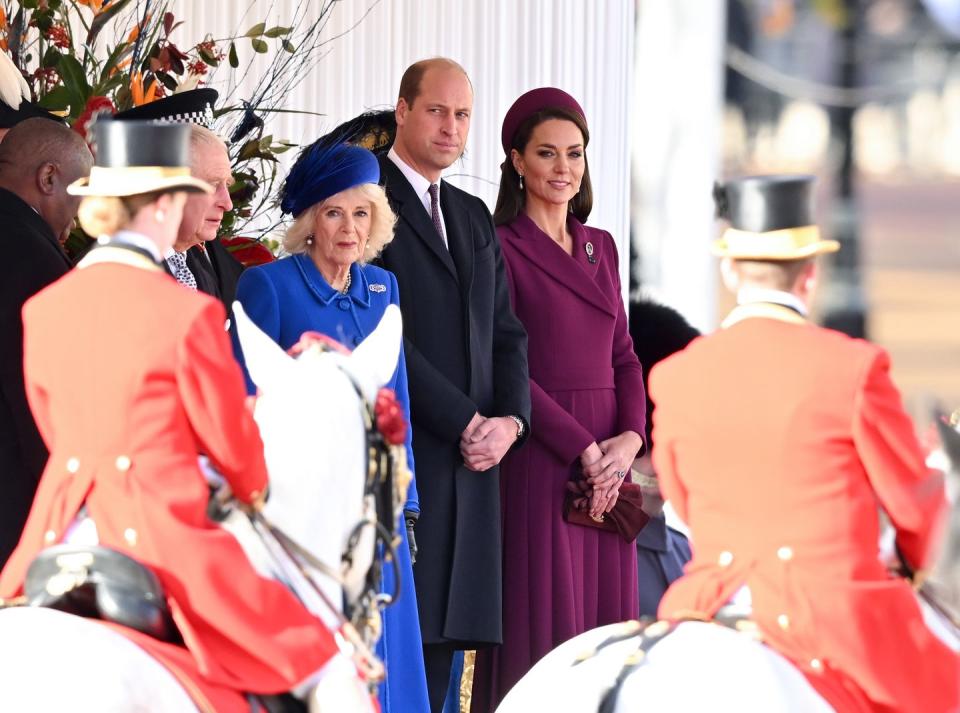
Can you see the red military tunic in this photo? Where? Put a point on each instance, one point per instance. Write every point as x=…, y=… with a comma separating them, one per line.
x=130, y=376
x=777, y=442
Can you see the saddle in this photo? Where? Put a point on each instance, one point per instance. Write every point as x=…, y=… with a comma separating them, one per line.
x=650, y=632
x=100, y=583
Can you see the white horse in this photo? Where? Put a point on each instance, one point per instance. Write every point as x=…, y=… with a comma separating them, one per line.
x=310, y=414
x=600, y=669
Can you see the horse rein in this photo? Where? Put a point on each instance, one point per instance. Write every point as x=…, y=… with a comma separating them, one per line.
x=379, y=482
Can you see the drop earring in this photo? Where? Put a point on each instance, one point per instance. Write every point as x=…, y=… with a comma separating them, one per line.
x=521, y=181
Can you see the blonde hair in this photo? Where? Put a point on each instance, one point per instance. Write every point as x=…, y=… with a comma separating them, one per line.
x=105, y=215
x=381, y=225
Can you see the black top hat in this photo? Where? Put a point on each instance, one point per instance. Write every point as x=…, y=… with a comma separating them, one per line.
x=771, y=218
x=194, y=106
x=138, y=157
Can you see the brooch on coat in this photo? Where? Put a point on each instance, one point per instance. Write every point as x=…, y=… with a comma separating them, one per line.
x=377, y=287
x=589, y=250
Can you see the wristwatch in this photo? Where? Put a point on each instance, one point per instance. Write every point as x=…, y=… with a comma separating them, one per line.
x=521, y=426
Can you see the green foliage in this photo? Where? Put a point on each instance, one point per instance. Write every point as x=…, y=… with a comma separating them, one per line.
x=84, y=56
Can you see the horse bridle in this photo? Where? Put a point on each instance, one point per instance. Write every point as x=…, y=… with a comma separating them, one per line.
x=359, y=623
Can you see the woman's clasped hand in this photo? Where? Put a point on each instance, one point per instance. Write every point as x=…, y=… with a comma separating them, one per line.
x=605, y=466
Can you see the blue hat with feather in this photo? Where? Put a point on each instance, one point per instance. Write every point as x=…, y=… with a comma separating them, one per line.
x=325, y=168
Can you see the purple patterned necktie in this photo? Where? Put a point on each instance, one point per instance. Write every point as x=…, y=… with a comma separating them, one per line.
x=435, y=211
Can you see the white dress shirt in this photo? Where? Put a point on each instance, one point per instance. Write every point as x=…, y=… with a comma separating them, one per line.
x=421, y=186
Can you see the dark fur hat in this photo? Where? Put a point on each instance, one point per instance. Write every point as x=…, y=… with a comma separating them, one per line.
x=657, y=331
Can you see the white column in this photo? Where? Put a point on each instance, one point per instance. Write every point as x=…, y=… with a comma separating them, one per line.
x=676, y=137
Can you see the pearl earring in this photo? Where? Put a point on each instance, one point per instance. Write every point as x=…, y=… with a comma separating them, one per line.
x=521, y=181
x=160, y=216
x=309, y=240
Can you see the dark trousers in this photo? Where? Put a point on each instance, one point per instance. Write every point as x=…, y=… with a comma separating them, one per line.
x=437, y=660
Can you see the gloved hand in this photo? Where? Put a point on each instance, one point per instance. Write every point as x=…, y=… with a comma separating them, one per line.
x=410, y=519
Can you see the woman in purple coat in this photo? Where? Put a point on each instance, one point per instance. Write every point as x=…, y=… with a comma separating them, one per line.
x=587, y=391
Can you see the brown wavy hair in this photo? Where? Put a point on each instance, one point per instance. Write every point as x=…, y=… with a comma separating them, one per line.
x=510, y=199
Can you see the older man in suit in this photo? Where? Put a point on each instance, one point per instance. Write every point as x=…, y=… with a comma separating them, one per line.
x=38, y=160
x=467, y=366
x=215, y=269
x=779, y=442
x=197, y=259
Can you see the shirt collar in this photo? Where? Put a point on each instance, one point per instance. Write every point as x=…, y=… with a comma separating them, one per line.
x=421, y=185
x=138, y=240
x=359, y=289
x=751, y=295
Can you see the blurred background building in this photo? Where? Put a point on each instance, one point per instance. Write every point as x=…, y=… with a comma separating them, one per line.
x=863, y=93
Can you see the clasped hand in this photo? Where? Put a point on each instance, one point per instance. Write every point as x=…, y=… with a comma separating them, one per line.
x=486, y=440
x=604, y=466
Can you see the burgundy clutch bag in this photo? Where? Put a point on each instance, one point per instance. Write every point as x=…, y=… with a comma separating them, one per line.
x=627, y=517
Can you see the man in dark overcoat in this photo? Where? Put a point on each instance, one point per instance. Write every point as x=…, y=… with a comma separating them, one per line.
x=39, y=158
x=467, y=365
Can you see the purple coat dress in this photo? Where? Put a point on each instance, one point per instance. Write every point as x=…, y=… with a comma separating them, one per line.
x=586, y=385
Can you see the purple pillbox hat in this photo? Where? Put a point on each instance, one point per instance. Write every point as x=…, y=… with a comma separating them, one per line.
x=529, y=104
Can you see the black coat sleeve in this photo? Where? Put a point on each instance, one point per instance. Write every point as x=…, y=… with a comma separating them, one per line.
x=511, y=376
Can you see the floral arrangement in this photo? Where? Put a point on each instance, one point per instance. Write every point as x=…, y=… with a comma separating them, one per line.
x=83, y=57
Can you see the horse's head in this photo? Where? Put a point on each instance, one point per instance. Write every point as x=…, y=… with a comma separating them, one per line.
x=946, y=574
x=310, y=410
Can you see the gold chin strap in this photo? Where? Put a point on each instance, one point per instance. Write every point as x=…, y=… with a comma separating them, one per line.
x=120, y=256
x=766, y=310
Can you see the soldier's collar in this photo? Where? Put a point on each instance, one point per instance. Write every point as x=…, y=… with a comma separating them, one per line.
x=120, y=254
x=764, y=310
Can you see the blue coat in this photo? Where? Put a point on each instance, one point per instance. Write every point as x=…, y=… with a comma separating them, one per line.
x=661, y=554
x=287, y=298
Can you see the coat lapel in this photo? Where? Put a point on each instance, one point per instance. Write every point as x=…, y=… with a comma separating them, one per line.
x=575, y=272
x=410, y=210
x=459, y=235
x=202, y=269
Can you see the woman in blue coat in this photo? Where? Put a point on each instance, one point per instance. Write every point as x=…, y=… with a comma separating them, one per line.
x=343, y=220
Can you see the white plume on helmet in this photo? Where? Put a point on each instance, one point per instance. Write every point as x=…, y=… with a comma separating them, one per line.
x=13, y=87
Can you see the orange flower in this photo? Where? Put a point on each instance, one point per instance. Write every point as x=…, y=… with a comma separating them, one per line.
x=135, y=32
x=120, y=65
x=141, y=96
x=95, y=5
